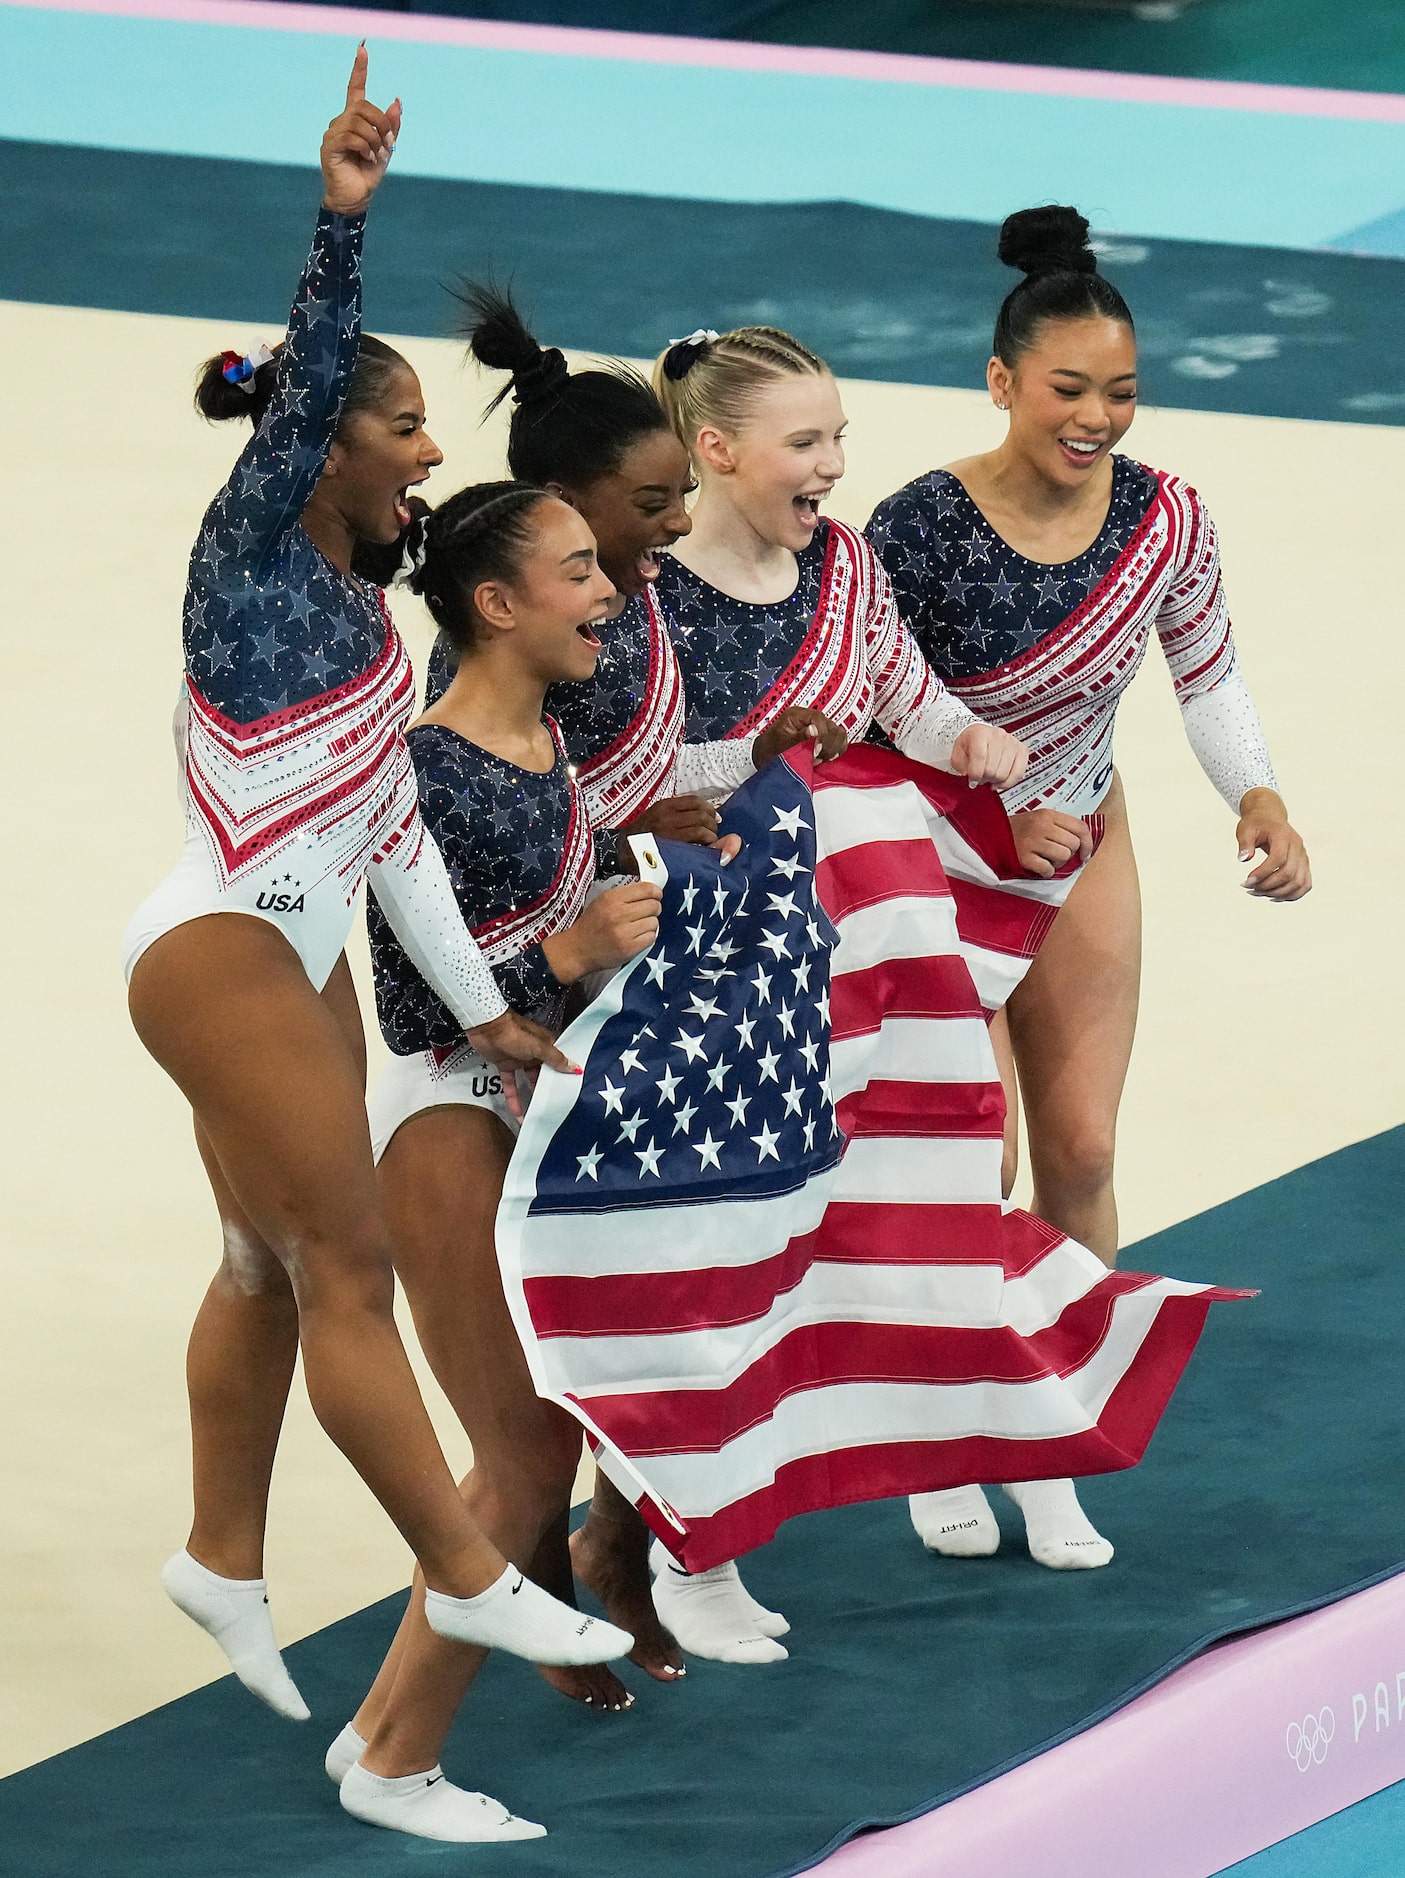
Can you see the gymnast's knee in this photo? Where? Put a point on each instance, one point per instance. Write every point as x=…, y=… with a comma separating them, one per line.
x=1079, y=1162
x=250, y=1266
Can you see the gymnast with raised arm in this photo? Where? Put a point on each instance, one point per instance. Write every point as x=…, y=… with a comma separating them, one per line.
x=298, y=786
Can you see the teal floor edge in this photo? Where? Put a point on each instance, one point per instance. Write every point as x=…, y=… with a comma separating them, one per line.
x=1365, y=1841
x=1221, y=328
x=911, y=1679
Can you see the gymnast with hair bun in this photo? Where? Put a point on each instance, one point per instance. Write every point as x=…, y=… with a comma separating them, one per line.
x=601, y=441
x=298, y=785
x=1033, y=577
x=509, y=573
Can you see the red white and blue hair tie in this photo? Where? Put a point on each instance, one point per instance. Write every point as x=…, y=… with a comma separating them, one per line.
x=242, y=371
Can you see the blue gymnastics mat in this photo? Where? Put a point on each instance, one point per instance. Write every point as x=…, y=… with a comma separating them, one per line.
x=910, y=1680
x=1221, y=328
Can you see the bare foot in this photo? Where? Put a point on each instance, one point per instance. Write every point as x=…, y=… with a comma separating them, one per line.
x=610, y=1556
x=597, y=1686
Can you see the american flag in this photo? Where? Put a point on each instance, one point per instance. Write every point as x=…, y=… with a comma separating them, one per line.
x=759, y=1247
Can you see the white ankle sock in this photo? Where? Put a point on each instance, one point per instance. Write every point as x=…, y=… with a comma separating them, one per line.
x=711, y=1613
x=769, y=1623
x=958, y=1522
x=431, y=1807
x=343, y=1754
x=515, y=1614
x=235, y=1613
x=1060, y=1533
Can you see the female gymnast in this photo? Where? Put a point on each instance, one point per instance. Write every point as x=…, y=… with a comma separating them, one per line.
x=773, y=606
x=509, y=572
x=1033, y=577
x=600, y=439
x=298, y=784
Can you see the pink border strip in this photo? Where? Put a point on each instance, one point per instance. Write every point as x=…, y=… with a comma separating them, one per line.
x=1250, y=1743
x=730, y=55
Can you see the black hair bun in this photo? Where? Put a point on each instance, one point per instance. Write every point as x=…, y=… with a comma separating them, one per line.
x=498, y=338
x=221, y=402
x=1047, y=241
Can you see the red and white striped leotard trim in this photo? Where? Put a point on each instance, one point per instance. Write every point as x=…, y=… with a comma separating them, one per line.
x=507, y=934
x=859, y=663
x=620, y=781
x=335, y=769
x=326, y=788
x=650, y=759
x=1061, y=696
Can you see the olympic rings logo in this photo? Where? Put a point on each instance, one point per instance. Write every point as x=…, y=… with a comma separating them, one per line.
x=1309, y=1740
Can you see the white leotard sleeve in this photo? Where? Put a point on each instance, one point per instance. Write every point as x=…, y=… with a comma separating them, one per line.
x=1228, y=739
x=415, y=893
x=713, y=770
x=1198, y=641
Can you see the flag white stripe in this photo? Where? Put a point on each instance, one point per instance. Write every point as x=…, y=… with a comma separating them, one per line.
x=905, y=1171
x=730, y=1233
x=846, y=1415
x=740, y=1232
x=995, y=975
x=857, y=818
x=904, y=927
x=903, y=1049
x=942, y=1297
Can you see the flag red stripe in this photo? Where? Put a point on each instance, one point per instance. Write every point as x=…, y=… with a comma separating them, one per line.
x=1001, y=922
x=854, y=1234
x=887, y=1470
x=930, y=987
x=820, y=1355
x=925, y=1110
x=879, y=870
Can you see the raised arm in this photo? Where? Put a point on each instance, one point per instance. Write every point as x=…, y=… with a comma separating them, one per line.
x=278, y=469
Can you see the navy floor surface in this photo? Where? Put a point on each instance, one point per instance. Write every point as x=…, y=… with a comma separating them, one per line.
x=879, y=294
x=1273, y=1486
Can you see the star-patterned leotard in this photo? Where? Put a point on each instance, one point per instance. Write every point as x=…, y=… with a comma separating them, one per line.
x=1046, y=650
x=298, y=780
x=623, y=726
x=836, y=644
x=518, y=850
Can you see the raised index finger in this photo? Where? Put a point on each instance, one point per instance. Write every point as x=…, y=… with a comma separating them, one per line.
x=356, y=84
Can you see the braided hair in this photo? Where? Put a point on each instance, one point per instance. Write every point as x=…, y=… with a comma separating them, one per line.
x=717, y=378
x=482, y=533
x=571, y=428
x=1061, y=280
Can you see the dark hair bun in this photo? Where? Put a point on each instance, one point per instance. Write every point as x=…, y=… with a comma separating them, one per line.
x=498, y=338
x=1047, y=241
x=221, y=402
